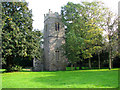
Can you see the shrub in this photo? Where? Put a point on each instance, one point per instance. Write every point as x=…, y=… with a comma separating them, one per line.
x=14, y=68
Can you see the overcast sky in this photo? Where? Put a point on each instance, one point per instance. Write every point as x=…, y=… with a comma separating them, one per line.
x=41, y=7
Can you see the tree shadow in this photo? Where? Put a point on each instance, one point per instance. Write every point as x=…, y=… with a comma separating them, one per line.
x=68, y=79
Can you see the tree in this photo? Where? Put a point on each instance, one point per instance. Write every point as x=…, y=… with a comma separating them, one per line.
x=18, y=39
x=119, y=28
x=111, y=26
x=84, y=32
x=37, y=43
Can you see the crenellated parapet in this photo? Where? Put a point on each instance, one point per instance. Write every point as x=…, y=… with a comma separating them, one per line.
x=51, y=14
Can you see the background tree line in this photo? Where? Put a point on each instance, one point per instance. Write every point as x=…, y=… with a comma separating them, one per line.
x=91, y=34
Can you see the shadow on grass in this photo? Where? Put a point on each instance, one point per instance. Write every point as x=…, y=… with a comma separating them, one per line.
x=15, y=71
x=74, y=79
x=25, y=71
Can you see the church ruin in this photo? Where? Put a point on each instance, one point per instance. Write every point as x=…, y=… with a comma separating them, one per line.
x=54, y=32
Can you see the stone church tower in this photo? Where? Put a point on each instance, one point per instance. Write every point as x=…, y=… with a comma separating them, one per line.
x=54, y=32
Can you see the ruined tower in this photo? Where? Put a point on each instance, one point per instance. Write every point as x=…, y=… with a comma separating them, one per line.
x=54, y=32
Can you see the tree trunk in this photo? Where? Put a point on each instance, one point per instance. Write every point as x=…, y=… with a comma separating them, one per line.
x=75, y=66
x=71, y=66
x=89, y=64
x=80, y=65
x=112, y=63
x=99, y=60
x=110, y=59
x=109, y=64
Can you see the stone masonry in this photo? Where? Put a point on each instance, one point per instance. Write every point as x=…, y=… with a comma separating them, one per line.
x=54, y=32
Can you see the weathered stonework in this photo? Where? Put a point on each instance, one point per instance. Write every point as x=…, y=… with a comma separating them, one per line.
x=53, y=39
x=54, y=59
x=37, y=65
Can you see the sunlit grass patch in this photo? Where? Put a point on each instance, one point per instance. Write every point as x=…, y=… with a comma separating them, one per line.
x=102, y=78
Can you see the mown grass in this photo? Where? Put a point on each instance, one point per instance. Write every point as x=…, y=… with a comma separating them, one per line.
x=102, y=78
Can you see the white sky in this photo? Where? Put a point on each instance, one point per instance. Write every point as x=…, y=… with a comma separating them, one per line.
x=41, y=7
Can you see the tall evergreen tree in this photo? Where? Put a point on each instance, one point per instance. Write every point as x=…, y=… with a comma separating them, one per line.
x=17, y=35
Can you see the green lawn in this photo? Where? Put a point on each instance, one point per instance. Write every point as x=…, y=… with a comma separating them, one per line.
x=102, y=78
